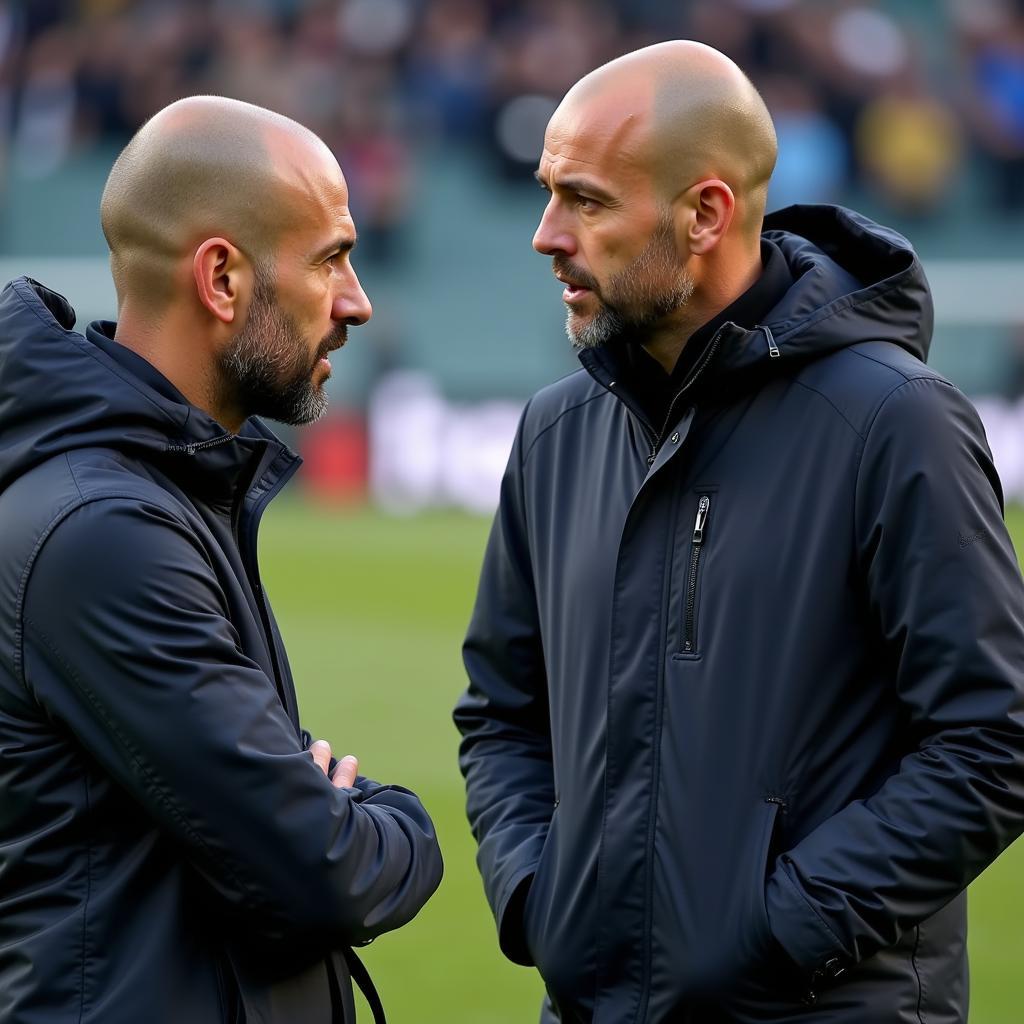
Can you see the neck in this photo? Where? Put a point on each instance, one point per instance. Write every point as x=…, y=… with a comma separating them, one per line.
x=163, y=341
x=714, y=292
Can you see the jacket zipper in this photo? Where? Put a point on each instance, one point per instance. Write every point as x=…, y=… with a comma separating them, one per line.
x=197, y=446
x=656, y=441
x=689, y=615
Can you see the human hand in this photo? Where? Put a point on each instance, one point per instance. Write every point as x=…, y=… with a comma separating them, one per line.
x=345, y=770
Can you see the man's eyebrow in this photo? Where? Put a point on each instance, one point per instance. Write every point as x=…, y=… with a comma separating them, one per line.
x=346, y=244
x=578, y=185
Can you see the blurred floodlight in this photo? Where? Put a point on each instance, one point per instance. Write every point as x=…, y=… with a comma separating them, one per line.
x=520, y=126
x=869, y=42
x=375, y=27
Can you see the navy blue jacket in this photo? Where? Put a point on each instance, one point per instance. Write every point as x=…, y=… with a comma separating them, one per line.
x=746, y=710
x=168, y=851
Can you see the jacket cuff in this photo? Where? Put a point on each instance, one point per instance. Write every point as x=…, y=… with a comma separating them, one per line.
x=510, y=912
x=800, y=930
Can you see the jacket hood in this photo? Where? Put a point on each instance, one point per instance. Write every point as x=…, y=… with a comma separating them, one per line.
x=853, y=281
x=60, y=392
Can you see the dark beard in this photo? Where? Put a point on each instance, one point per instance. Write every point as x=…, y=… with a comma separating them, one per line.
x=266, y=367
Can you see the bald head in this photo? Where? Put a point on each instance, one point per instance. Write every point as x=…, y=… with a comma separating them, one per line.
x=684, y=112
x=202, y=167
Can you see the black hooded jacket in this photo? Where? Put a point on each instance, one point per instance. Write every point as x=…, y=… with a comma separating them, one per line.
x=746, y=708
x=168, y=851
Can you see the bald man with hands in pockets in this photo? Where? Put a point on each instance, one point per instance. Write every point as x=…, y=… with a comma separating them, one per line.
x=745, y=711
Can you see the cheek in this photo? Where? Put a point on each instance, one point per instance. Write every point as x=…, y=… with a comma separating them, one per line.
x=610, y=251
x=607, y=267
x=314, y=311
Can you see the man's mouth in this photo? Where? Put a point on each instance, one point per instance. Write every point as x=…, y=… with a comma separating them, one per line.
x=336, y=342
x=574, y=291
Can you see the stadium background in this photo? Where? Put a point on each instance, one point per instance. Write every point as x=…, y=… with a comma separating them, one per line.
x=910, y=110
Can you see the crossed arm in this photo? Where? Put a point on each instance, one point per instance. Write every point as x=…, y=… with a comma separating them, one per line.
x=127, y=643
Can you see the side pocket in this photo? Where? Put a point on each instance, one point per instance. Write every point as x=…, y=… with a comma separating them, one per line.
x=538, y=895
x=765, y=940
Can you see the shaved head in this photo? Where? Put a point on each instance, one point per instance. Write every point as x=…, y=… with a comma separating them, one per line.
x=683, y=112
x=230, y=240
x=657, y=166
x=205, y=166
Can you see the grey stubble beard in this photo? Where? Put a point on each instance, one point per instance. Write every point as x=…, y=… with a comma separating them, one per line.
x=649, y=298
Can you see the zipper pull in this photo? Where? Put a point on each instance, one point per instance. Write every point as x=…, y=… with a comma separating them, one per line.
x=773, y=349
x=702, y=517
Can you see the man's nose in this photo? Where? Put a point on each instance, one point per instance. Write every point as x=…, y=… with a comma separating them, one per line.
x=552, y=237
x=351, y=306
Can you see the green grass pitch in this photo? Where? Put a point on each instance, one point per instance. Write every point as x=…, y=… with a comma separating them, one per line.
x=373, y=610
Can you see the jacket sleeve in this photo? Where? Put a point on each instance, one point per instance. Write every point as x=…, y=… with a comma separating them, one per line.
x=127, y=643
x=947, y=603
x=505, y=754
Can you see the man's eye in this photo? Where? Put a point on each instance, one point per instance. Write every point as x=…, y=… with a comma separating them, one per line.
x=586, y=203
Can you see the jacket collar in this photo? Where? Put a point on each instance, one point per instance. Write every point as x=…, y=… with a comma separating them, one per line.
x=852, y=281
x=61, y=391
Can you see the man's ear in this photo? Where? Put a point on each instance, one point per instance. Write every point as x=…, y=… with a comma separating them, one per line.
x=223, y=279
x=712, y=205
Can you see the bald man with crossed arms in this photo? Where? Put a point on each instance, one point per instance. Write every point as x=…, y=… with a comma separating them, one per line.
x=745, y=711
x=173, y=848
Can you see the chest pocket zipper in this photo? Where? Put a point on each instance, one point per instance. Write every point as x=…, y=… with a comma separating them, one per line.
x=690, y=597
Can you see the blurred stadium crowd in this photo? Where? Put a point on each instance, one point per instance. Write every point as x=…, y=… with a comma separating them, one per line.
x=911, y=110
x=894, y=100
